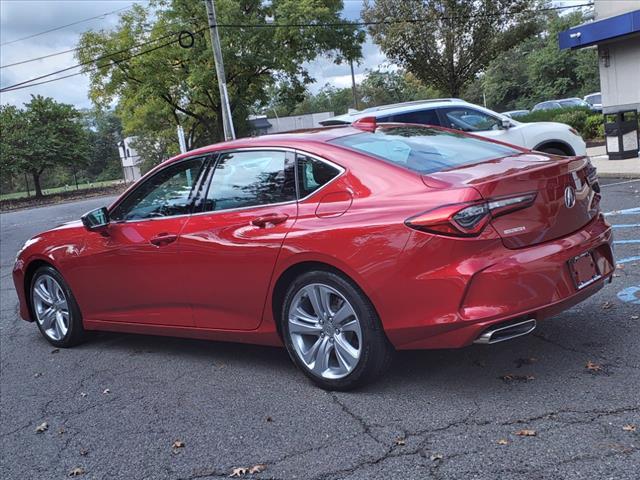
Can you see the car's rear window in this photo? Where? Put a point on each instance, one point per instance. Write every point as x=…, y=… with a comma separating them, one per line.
x=424, y=150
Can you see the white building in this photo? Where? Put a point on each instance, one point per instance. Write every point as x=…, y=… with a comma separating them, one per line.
x=615, y=32
x=130, y=160
x=262, y=125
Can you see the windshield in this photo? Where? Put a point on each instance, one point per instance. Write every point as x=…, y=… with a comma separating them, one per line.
x=572, y=102
x=593, y=99
x=424, y=150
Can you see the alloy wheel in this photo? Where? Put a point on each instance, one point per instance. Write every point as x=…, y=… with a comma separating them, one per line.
x=51, y=307
x=325, y=331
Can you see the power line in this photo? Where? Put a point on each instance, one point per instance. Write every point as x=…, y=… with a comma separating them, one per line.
x=30, y=83
x=88, y=62
x=39, y=58
x=304, y=25
x=77, y=49
x=102, y=15
x=21, y=85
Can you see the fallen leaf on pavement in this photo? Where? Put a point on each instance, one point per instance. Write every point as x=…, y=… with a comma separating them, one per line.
x=436, y=456
x=502, y=441
x=510, y=377
x=526, y=433
x=178, y=444
x=257, y=468
x=593, y=367
x=43, y=427
x=400, y=441
x=239, y=471
x=629, y=428
x=76, y=472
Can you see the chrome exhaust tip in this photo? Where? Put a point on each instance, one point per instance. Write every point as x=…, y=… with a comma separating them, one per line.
x=507, y=332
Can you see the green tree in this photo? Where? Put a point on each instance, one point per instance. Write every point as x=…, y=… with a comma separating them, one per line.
x=12, y=142
x=43, y=136
x=177, y=86
x=446, y=43
x=555, y=73
x=537, y=70
x=328, y=99
x=104, y=131
x=383, y=88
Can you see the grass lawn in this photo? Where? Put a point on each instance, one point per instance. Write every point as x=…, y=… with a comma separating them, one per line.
x=67, y=188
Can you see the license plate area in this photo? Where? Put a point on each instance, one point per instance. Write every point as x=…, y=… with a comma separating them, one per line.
x=584, y=270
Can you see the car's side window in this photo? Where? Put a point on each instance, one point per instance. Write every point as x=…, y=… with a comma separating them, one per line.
x=422, y=117
x=169, y=192
x=251, y=178
x=470, y=120
x=313, y=174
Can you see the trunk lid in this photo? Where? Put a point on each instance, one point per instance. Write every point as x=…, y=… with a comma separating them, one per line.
x=565, y=197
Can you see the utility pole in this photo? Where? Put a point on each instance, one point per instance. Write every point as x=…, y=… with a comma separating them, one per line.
x=353, y=87
x=227, y=121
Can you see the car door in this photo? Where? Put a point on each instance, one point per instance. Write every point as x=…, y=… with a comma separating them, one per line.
x=481, y=123
x=230, y=248
x=133, y=272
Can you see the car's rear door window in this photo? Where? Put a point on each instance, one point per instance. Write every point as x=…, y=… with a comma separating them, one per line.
x=422, y=149
x=422, y=117
x=251, y=178
x=469, y=120
x=313, y=174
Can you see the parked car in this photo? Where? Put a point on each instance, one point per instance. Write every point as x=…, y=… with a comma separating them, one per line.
x=516, y=113
x=595, y=101
x=562, y=103
x=548, y=137
x=342, y=244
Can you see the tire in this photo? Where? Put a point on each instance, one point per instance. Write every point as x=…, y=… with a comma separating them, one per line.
x=343, y=355
x=61, y=327
x=554, y=151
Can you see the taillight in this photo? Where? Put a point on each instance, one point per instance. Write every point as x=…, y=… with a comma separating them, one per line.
x=467, y=219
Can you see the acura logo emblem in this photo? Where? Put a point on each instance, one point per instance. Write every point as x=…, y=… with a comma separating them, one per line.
x=569, y=197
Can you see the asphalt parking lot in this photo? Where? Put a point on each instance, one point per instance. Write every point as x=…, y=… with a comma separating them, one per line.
x=116, y=404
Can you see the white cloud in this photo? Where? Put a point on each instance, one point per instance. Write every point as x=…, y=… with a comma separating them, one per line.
x=21, y=18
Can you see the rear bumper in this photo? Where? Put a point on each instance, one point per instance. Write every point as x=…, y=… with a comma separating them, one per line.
x=533, y=282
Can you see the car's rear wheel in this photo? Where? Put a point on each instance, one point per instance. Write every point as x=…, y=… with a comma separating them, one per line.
x=554, y=151
x=332, y=331
x=55, y=309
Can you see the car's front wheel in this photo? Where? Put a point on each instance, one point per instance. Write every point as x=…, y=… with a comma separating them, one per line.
x=55, y=309
x=332, y=331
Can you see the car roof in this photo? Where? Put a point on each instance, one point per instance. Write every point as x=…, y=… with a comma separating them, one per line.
x=293, y=139
x=394, y=108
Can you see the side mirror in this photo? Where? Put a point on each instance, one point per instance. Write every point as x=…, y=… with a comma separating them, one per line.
x=506, y=124
x=96, y=219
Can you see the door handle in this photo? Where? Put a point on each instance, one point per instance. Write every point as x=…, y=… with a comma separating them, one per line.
x=272, y=218
x=163, y=239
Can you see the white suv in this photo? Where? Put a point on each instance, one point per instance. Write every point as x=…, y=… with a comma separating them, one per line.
x=549, y=137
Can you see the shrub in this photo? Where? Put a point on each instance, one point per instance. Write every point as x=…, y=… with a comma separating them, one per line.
x=590, y=125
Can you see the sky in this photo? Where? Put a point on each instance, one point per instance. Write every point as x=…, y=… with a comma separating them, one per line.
x=21, y=18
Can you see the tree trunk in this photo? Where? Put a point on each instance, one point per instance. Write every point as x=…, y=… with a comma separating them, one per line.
x=36, y=184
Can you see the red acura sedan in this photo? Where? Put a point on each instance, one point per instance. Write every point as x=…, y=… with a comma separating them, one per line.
x=341, y=243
